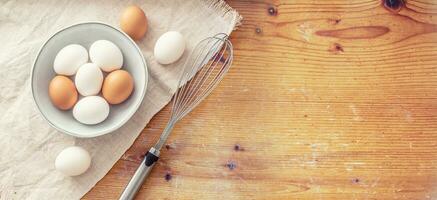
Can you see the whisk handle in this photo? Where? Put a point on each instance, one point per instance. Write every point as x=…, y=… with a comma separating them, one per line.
x=140, y=175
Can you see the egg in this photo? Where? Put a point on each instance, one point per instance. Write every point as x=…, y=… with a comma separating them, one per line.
x=69, y=59
x=106, y=55
x=91, y=110
x=62, y=92
x=73, y=161
x=133, y=21
x=169, y=47
x=89, y=79
x=117, y=87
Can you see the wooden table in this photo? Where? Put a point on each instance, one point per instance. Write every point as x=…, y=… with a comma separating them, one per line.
x=325, y=100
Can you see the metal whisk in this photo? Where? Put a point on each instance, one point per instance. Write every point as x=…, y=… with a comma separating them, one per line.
x=204, y=68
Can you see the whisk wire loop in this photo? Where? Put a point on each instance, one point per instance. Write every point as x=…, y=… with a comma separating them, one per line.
x=204, y=68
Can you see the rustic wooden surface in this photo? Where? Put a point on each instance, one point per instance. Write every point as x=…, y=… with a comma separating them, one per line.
x=325, y=100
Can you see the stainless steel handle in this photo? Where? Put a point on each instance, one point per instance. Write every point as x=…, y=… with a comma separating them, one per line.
x=140, y=175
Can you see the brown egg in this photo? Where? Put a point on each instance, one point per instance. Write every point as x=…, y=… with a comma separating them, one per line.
x=133, y=21
x=117, y=86
x=62, y=92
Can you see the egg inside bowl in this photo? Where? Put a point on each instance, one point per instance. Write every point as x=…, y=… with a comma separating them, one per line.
x=85, y=34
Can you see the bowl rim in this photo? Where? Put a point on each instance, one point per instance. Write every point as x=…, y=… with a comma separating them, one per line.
x=129, y=115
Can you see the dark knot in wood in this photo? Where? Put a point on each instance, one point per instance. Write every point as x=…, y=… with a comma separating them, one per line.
x=394, y=5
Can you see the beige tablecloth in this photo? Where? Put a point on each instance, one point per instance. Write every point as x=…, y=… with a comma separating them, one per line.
x=28, y=145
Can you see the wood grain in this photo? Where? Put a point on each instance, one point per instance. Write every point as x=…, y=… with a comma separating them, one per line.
x=325, y=100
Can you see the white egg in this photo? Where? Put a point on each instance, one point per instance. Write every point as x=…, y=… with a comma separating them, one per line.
x=73, y=161
x=89, y=79
x=106, y=55
x=91, y=110
x=169, y=47
x=69, y=59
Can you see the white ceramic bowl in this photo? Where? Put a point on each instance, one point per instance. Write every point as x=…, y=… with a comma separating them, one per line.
x=85, y=34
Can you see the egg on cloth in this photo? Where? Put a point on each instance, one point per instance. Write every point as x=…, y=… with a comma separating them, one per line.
x=117, y=87
x=69, y=59
x=106, y=55
x=89, y=79
x=169, y=47
x=73, y=161
x=133, y=21
x=91, y=110
x=62, y=92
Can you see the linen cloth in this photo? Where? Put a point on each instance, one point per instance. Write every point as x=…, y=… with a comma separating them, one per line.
x=28, y=145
